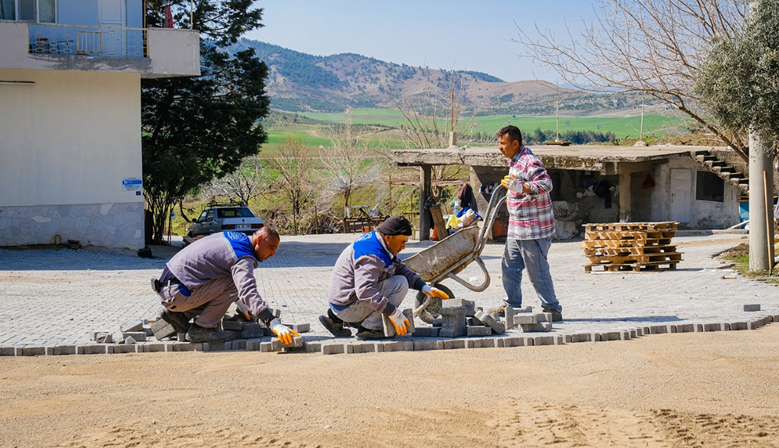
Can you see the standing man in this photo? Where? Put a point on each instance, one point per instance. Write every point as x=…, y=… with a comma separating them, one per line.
x=207, y=276
x=369, y=280
x=531, y=223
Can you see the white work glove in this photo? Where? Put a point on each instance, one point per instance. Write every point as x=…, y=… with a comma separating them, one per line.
x=400, y=322
x=512, y=184
x=435, y=292
x=282, y=331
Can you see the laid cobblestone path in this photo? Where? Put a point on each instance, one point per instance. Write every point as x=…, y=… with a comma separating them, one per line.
x=50, y=297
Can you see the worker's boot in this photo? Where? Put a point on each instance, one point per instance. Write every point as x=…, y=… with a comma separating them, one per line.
x=196, y=333
x=364, y=333
x=557, y=316
x=334, y=325
x=179, y=321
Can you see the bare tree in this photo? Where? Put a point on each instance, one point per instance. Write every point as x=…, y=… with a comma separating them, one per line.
x=244, y=184
x=654, y=47
x=294, y=182
x=348, y=161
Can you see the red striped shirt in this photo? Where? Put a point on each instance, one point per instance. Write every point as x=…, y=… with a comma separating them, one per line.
x=530, y=215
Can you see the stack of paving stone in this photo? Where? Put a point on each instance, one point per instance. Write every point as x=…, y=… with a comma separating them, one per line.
x=527, y=321
x=630, y=246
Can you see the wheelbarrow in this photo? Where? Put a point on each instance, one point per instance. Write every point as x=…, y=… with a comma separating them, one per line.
x=448, y=257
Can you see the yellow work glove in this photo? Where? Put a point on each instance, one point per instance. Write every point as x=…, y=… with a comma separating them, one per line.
x=282, y=331
x=400, y=322
x=512, y=184
x=435, y=292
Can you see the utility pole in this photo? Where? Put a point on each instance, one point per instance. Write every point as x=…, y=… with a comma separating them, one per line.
x=760, y=169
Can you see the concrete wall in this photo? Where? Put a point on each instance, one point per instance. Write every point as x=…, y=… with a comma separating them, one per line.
x=66, y=144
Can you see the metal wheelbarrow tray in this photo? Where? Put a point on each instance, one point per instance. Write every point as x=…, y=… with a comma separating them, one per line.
x=451, y=255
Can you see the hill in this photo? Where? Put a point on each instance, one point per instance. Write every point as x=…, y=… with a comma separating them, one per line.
x=302, y=82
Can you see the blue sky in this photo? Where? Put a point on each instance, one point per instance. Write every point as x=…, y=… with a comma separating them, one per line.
x=450, y=34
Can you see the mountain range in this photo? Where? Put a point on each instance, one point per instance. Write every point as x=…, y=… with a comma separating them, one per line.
x=299, y=82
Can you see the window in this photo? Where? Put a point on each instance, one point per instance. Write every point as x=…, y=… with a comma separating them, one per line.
x=41, y=11
x=709, y=187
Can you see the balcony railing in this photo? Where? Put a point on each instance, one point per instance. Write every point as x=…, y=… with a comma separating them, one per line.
x=100, y=41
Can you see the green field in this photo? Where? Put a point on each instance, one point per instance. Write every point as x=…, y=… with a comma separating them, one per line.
x=626, y=127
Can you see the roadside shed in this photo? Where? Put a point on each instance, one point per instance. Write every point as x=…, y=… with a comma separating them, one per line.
x=699, y=187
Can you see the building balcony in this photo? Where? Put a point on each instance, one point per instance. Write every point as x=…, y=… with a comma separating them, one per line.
x=152, y=52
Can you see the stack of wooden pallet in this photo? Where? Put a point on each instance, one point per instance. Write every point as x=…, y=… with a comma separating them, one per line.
x=630, y=246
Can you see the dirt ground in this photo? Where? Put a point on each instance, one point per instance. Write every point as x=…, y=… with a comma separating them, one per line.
x=678, y=390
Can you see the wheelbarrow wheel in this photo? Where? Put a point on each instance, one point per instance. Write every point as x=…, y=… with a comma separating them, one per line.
x=432, y=311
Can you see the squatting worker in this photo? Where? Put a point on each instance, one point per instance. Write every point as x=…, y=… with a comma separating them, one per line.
x=369, y=280
x=205, y=278
x=531, y=223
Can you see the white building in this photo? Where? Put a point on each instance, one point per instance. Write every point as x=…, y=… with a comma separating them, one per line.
x=70, y=117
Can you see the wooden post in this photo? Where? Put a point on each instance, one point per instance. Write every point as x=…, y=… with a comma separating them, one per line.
x=624, y=195
x=424, y=193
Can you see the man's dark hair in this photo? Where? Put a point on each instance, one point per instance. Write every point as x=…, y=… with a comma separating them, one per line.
x=512, y=131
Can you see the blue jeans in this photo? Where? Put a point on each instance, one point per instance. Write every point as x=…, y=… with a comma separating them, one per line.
x=531, y=255
x=394, y=289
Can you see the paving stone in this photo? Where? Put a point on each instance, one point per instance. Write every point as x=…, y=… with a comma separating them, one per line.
x=162, y=330
x=578, y=337
x=91, y=349
x=32, y=350
x=232, y=325
x=480, y=343
x=523, y=319
x=611, y=336
x=363, y=347
x=535, y=328
x=252, y=330
x=313, y=346
x=469, y=305
x=450, y=344
x=544, y=317
x=478, y=331
x=93, y=336
x=426, y=332
x=453, y=322
x=139, y=336
x=147, y=330
x=104, y=338
x=129, y=340
x=65, y=350
x=301, y=328
x=253, y=344
x=438, y=322
x=429, y=344
x=712, y=327
x=512, y=313
x=500, y=342
x=514, y=341
x=559, y=340
x=238, y=344
x=497, y=326
x=7, y=351
x=752, y=307
x=658, y=329
x=754, y=325
x=333, y=349
x=595, y=337
x=151, y=347
x=685, y=328
x=131, y=325
x=543, y=340
x=181, y=337
x=126, y=348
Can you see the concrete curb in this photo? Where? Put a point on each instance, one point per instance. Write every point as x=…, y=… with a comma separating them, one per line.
x=332, y=346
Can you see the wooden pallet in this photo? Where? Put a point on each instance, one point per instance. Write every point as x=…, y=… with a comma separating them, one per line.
x=626, y=243
x=635, y=267
x=628, y=226
x=627, y=250
x=637, y=259
x=641, y=235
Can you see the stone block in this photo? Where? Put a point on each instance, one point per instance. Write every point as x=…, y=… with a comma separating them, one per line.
x=752, y=307
x=625, y=335
x=253, y=344
x=139, y=336
x=34, y=350
x=488, y=319
x=559, y=340
x=129, y=340
x=544, y=317
x=426, y=332
x=685, y=328
x=429, y=344
x=453, y=322
x=478, y=331
x=126, y=348
x=523, y=319
x=534, y=328
x=95, y=334
x=181, y=337
x=333, y=349
x=64, y=349
x=162, y=330
x=301, y=328
x=104, y=338
x=578, y=337
x=438, y=322
x=469, y=305
x=543, y=340
x=450, y=344
x=480, y=343
x=270, y=346
x=7, y=351
x=500, y=342
x=658, y=329
x=132, y=325
x=611, y=336
x=363, y=347
x=91, y=349
x=297, y=342
x=313, y=346
x=712, y=327
x=147, y=330
x=238, y=344
x=232, y=325
x=514, y=341
x=754, y=325
x=151, y=347
x=252, y=330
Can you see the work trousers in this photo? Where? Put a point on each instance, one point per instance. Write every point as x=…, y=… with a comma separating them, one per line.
x=531, y=255
x=394, y=289
x=208, y=302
